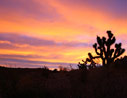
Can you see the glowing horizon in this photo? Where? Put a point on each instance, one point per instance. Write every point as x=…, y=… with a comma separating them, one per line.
x=34, y=33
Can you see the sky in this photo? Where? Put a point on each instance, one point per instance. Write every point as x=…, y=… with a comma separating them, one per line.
x=52, y=33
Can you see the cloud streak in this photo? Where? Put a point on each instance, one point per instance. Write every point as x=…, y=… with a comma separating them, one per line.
x=23, y=39
x=28, y=63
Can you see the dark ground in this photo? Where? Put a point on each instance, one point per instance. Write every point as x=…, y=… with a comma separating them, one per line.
x=42, y=83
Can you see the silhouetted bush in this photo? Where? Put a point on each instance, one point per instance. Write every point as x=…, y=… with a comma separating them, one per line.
x=55, y=70
x=120, y=62
x=82, y=66
x=63, y=69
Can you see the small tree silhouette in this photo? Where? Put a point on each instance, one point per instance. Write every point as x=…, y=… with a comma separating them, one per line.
x=104, y=51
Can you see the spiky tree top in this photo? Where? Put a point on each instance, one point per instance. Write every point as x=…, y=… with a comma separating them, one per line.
x=103, y=48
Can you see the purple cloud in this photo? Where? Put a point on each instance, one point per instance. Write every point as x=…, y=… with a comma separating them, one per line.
x=23, y=39
x=31, y=64
x=21, y=56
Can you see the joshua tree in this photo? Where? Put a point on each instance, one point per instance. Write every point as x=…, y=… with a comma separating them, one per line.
x=105, y=52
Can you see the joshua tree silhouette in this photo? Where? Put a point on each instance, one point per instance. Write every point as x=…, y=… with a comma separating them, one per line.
x=105, y=52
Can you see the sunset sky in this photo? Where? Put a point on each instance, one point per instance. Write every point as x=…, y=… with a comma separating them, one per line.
x=34, y=33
